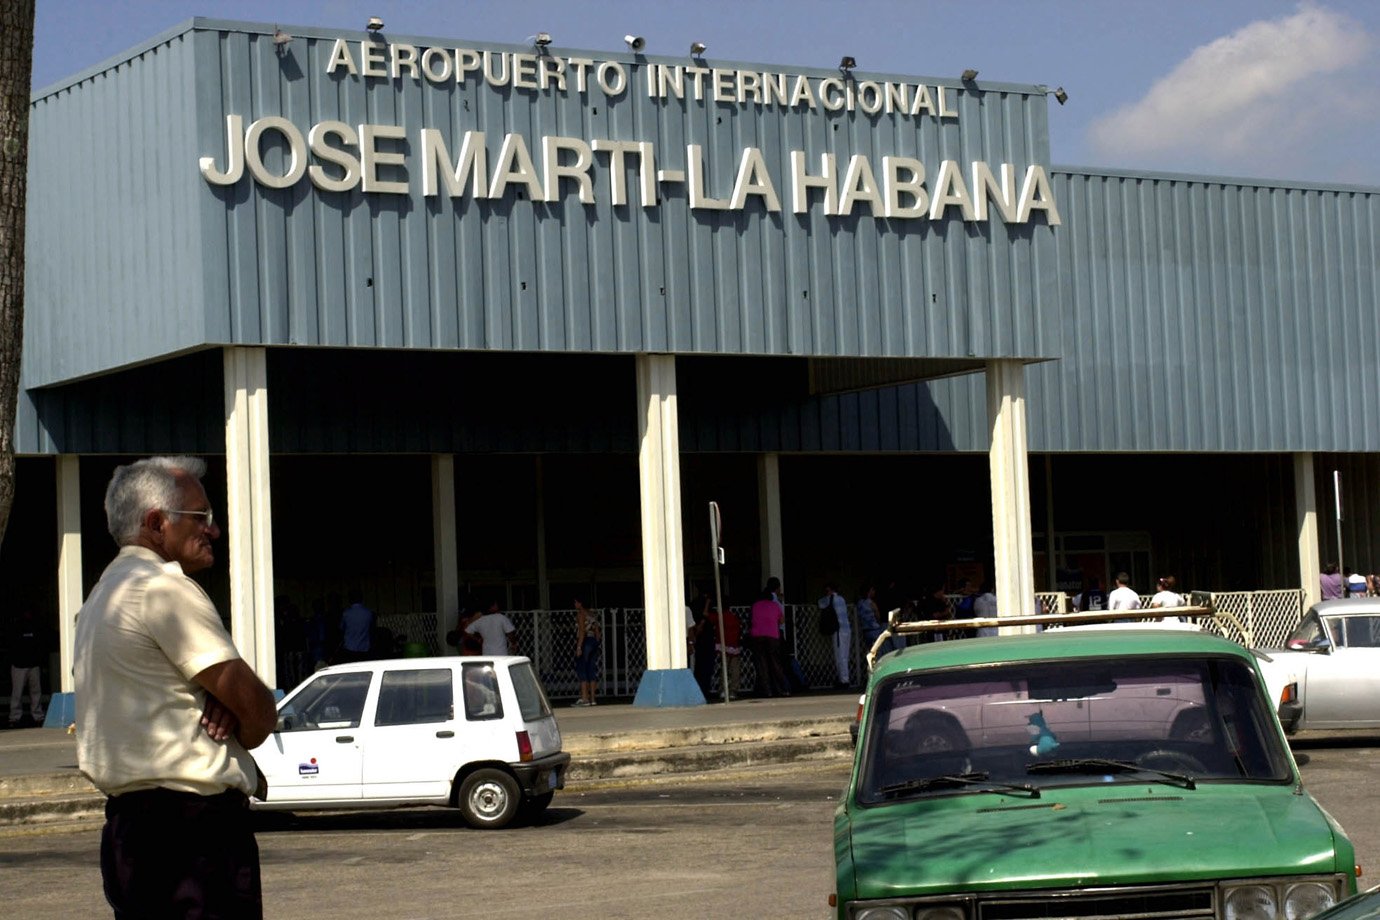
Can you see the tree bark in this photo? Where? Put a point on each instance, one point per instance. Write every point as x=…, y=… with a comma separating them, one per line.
x=16, y=73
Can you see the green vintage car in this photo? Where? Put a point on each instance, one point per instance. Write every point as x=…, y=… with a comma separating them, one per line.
x=1080, y=773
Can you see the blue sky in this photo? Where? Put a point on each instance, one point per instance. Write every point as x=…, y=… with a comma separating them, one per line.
x=1252, y=88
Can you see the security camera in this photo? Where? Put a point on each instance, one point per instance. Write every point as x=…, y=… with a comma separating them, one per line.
x=635, y=42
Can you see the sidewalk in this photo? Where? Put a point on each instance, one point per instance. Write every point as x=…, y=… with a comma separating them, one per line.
x=39, y=780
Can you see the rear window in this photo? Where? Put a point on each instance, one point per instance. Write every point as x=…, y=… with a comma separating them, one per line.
x=482, y=698
x=531, y=700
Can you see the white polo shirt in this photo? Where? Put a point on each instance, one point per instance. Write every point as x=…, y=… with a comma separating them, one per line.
x=144, y=632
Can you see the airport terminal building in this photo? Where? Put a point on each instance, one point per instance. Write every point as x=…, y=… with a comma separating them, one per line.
x=451, y=318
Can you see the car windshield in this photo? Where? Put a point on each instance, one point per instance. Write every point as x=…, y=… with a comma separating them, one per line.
x=1040, y=724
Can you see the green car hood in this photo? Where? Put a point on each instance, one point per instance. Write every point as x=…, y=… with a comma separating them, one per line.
x=1122, y=833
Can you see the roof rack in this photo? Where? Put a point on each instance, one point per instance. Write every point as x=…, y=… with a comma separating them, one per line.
x=1201, y=606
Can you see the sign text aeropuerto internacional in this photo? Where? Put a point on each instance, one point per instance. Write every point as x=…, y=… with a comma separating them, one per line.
x=374, y=158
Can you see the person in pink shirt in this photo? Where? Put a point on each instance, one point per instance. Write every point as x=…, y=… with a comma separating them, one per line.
x=764, y=636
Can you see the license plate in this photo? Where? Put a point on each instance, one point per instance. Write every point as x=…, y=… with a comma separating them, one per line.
x=552, y=779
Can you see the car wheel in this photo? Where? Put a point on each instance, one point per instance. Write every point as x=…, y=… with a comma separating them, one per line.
x=489, y=799
x=533, y=806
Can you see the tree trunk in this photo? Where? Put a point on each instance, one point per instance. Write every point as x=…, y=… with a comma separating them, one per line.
x=16, y=73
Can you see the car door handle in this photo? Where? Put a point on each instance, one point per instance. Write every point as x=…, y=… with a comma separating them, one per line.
x=344, y=739
x=445, y=734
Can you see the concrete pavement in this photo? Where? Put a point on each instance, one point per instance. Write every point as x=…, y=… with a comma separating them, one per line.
x=609, y=744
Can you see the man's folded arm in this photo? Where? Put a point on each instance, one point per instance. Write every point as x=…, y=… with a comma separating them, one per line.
x=239, y=690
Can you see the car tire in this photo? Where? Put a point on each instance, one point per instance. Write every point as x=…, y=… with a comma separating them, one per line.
x=489, y=799
x=533, y=806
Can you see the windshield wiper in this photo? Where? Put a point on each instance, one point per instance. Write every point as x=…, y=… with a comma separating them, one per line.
x=959, y=779
x=1103, y=765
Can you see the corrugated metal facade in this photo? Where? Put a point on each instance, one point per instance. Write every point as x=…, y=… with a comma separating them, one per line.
x=1193, y=314
x=113, y=262
x=188, y=262
x=1212, y=315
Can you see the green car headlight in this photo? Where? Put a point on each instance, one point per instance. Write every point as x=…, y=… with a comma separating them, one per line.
x=943, y=912
x=891, y=912
x=1250, y=902
x=1305, y=899
x=1279, y=899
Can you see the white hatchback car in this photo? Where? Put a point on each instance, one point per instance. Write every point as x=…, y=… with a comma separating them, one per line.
x=473, y=733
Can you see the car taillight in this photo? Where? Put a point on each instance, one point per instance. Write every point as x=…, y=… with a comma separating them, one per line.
x=524, y=747
x=1289, y=694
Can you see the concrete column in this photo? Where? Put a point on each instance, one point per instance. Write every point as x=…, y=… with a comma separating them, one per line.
x=769, y=514
x=444, y=545
x=248, y=515
x=667, y=681
x=69, y=588
x=1051, y=557
x=1306, y=512
x=543, y=580
x=1011, y=543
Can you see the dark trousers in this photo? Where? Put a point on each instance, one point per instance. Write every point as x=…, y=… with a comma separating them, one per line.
x=766, y=657
x=167, y=854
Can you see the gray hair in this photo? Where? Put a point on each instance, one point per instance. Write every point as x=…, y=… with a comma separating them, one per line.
x=141, y=486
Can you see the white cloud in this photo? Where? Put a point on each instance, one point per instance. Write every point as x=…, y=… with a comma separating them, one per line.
x=1243, y=102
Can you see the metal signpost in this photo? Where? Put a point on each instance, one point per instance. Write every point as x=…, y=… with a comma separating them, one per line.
x=715, y=528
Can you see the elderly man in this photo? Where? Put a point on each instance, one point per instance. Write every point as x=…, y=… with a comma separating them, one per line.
x=167, y=710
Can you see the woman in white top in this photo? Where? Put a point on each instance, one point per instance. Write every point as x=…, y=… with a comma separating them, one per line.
x=1167, y=596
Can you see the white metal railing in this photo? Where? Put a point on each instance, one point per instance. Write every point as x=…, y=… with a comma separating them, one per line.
x=548, y=638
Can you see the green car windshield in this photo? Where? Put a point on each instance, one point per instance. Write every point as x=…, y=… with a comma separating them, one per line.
x=1034, y=724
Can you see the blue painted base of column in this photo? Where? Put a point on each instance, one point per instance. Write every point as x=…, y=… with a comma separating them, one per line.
x=62, y=710
x=668, y=687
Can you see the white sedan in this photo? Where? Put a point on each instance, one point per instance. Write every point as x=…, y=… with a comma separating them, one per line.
x=1328, y=673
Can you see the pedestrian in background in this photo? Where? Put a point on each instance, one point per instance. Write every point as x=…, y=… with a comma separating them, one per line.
x=587, y=639
x=731, y=648
x=869, y=617
x=495, y=630
x=1167, y=594
x=1331, y=582
x=356, y=628
x=1092, y=598
x=28, y=647
x=985, y=607
x=833, y=602
x=1355, y=584
x=1122, y=597
x=167, y=710
x=702, y=642
x=764, y=631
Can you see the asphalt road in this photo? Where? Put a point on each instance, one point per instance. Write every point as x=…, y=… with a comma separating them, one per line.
x=749, y=844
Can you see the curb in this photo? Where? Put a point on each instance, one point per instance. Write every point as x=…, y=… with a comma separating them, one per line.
x=606, y=759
